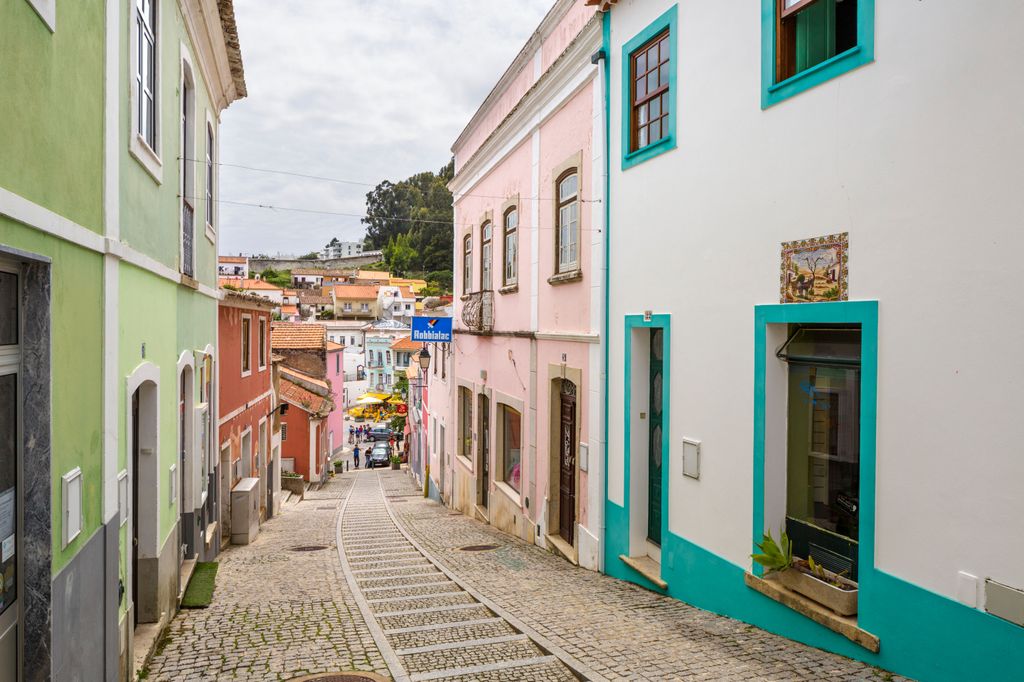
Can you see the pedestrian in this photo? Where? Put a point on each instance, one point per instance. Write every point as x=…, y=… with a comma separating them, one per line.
x=355, y=452
x=351, y=431
x=366, y=458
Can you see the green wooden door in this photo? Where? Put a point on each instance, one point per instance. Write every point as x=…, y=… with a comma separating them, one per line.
x=654, y=438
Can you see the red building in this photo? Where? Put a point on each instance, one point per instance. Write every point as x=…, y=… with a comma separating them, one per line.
x=246, y=399
x=305, y=446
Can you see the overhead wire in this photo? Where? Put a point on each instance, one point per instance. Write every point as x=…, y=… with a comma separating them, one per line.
x=364, y=184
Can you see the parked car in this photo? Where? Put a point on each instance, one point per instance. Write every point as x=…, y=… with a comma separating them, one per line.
x=380, y=433
x=380, y=455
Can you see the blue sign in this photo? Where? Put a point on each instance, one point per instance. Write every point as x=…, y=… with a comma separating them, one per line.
x=432, y=329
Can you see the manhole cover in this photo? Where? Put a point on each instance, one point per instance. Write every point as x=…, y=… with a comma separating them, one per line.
x=477, y=548
x=341, y=677
x=308, y=548
x=326, y=508
x=393, y=500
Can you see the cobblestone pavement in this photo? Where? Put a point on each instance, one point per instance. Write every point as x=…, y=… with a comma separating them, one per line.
x=616, y=629
x=276, y=613
x=428, y=626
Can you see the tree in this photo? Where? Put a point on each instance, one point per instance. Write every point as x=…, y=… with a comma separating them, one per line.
x=399, y=255
x=312, y=255
x=420, y=208
x=279, y=278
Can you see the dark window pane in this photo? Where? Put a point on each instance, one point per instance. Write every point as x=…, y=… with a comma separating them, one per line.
x=664, y=49
x=655, y=107
x=641, y=88
x=8, y=308
x=652, y=81
x=656, y=130
x=664, y=104
x=664, y=75
x=652, y=56
x=641, y=63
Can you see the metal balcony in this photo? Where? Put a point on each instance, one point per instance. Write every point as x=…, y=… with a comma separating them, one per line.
x=478, y=311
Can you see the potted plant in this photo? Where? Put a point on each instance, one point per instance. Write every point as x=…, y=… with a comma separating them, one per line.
x=806, y=577
x=396, y=462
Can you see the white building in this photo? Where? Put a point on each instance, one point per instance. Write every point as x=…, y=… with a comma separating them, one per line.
x=235, y=267
x=396, y=303
x=882, y=429
x=342, y=250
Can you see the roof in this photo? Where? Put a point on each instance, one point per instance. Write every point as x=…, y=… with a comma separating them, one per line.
x=356, y=291
x=406, y=344
x=313, y=298
x=374, y=274
x=290, y=292
x=302, y=376
x=306, y=400
x=227, y=24
x=235, y=298
x=289, y=310
x=414, y=284
x=232, y=259
x=332, y=346
x=258, y=284
x=404, y=291
x=297, y=335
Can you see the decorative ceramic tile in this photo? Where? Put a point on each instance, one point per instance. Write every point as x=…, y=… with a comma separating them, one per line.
x=815, y=269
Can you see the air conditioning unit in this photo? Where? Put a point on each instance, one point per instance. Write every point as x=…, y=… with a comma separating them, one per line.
x=245, y=511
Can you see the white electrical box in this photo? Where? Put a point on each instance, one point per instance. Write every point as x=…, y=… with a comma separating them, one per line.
x=691, y=458
x=245, y=511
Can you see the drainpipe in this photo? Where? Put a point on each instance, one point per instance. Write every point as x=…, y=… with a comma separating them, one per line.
x=601, y=59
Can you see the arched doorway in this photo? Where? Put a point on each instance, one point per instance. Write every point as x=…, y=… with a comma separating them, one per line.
x=143, y=449
x=186, y=535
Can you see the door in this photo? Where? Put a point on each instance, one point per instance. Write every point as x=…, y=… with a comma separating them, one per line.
x=485, y=449
x=10, y=455
x=567, y=462
x=225, y=494
x=183, y=436
x=654, y=438
x=135, y=505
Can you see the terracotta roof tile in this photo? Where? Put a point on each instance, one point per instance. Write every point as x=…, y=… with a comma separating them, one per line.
x=232, y=259
x=307, y=400
x=289, y=310
x=374, y=274
x=258, y=284
x=332, y=346
x=406, y=344
x=297, y=335
x=302, y=376
x=356, y=291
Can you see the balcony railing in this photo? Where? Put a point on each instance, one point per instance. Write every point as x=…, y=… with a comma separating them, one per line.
x=187, y=246
x=478, y=311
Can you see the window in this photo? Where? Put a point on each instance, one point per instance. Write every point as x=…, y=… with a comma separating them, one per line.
x=209, y=175
x=649, y=91
x=511, y=272
x=465, y=444
x=365, y=307
x=284, y=431
x=811, y=41
x=347, y=307
x=246, y=345
x=485, y=256
x=649, y=67
x=568, y=222
x=146, y=71
x=388, y=356
x=467, y=264
x=337, y=363
x=262, y=345
x=351, y=340
x=187, y=186
x=511, y=444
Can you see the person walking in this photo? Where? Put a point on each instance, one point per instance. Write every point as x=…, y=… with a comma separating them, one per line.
x=351, y=434
x=355, y=454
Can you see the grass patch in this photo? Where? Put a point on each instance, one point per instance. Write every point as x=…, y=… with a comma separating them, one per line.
x=199, y=592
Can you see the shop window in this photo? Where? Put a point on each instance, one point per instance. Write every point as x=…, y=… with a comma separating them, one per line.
x=511, y=447
x=823, y=445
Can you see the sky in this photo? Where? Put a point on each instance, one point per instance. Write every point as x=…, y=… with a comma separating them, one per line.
x=358, y=90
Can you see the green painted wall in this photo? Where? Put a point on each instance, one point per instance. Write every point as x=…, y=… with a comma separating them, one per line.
x=150, y=210
x=52, y=102
x=76, y=373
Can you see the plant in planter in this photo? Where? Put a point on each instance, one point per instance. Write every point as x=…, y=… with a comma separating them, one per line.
x=396, y=462
x=807, y=577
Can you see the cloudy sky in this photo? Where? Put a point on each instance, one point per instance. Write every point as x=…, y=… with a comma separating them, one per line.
x=360, y=90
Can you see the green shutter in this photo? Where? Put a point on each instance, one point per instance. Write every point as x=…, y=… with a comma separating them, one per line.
x=815, y=34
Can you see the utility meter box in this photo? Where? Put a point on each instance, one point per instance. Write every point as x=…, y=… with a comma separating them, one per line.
x=245, y=511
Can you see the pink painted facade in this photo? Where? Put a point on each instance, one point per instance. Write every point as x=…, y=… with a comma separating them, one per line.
x=336, y=378
x=520, y=410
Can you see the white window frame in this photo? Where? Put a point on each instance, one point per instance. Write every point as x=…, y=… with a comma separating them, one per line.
x=567, y=264
x=245, y=317
x=510, y=236
x=138, y=147
x=212, y=178
x=47, y=11
x=261, y=335
x=187, y=147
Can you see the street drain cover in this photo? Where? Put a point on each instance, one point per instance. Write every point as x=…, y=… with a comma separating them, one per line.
x=308, y=548
x=341, y=677
x=326, y=508
x=477, y=548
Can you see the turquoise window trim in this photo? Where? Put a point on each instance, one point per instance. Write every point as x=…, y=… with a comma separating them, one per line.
x=863, y=53
x=864, y=313
x=663, y=322
x=669, y=20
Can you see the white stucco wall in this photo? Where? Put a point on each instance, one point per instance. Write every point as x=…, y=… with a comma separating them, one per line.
x=917, y=156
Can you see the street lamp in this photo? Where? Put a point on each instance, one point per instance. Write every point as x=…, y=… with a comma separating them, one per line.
x=424, y=359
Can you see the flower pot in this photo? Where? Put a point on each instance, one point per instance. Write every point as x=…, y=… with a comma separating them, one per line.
x=396, y=466
x=842, y=600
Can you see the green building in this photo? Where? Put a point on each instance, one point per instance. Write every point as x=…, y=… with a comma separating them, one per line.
x=109, y=115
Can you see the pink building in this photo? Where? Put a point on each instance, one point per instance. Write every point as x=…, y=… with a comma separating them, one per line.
x=519, y=418
x=336, y=379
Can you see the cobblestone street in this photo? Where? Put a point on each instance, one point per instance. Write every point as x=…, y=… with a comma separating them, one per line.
x=402, y=600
